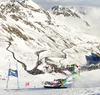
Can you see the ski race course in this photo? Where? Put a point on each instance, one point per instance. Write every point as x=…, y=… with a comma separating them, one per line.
x=86, y=84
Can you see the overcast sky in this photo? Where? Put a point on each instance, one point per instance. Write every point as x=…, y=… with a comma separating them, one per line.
x=49, y=3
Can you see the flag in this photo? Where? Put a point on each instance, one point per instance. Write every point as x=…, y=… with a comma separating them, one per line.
x=27, y=84
x=13, y=73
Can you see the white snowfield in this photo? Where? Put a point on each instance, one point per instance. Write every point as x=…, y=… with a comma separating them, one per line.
x=30, y=29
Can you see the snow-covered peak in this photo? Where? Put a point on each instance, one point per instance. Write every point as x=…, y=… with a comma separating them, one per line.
x=55, y=8
x=66, y=14
x=66, y=11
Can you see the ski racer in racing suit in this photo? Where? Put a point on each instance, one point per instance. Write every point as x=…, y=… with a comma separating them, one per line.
x=74, y=74
x=68, y=79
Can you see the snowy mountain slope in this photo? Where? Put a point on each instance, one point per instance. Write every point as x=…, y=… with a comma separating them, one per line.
x=30, y=29
x=36, y=29
x=71, y=16
x=83, y=88
x=91, y=15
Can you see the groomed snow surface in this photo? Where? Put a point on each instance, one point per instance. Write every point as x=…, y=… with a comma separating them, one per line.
x=39, y=91
x=88, y=83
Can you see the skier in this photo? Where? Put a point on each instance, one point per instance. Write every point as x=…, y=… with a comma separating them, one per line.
x=71, y=77
x=68, y=80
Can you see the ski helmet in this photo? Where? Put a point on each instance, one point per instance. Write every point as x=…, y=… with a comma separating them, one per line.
x=76, y=65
